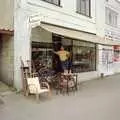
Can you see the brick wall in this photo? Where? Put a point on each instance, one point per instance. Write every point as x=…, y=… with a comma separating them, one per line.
x=6, y=59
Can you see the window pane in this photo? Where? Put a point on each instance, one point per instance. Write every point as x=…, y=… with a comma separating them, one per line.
x=107, y=16
x=81, y=43
x=55, y=2
x=111, y=17
x=115, y=20
x=42, y=53
x=48, y=0
x=78, y=5
x=88, y=7
x=83, y=56
x=83, y=6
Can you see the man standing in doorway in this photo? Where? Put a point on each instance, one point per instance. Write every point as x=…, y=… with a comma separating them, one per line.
x=64, y=56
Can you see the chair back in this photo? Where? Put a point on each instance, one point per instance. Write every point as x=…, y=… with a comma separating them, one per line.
x=33, y=84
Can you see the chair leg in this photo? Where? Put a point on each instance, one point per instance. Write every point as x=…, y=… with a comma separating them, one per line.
x=37, y=97
x=27, y=92
x=49, y=93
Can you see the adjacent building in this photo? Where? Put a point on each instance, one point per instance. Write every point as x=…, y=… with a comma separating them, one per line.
x=109, y=56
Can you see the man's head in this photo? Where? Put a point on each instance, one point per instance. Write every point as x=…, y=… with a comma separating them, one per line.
x=61, y=48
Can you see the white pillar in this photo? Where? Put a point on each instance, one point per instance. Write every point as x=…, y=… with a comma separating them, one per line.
x=22, y=44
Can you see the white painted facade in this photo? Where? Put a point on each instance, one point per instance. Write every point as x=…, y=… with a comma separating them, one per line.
x=29, y=14
x=64, y=16
x=109, y=29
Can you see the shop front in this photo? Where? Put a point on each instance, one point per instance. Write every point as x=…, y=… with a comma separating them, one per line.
x=44, y=42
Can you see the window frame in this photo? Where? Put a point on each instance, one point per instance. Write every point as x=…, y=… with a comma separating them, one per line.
x=79, y=10
x=59, y=2
x=114, y=17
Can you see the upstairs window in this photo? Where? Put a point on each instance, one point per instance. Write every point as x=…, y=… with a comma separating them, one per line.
x=55, y=2
x=84, y=7
x=111, y=17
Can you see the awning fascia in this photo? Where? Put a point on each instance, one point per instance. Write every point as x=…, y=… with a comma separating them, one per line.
x=75, y=34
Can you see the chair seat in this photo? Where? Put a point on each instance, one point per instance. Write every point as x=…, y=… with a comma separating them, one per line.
x=35, y=87
x=43, y=90
x=40, y=91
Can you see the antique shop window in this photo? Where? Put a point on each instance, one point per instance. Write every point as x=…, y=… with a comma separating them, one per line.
x=84, y=56
x=42, y=52
x=83, y=53
x=84, y=7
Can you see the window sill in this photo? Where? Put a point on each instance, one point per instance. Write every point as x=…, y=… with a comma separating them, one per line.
x=115, y=26
x=83, y=14
x=52, y=3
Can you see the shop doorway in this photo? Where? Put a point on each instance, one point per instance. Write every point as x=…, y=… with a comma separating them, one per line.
x=107, y=61
x=59, y=41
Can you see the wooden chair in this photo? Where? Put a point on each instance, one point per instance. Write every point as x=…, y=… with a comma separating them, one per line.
x=31, y=82
x=37, y=88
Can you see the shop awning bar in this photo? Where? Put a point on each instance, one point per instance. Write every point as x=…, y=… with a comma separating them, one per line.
x=75, y=34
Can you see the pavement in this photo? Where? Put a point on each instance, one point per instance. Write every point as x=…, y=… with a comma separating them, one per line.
x=95, y=100
x=4, y=90
x=3, y=87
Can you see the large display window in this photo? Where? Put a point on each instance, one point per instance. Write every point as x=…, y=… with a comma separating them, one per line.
x=42, y=53
x=83, y=53
x=84, y=56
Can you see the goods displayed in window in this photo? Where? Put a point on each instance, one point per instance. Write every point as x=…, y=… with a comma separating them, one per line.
x=116, y=53
x=42, y=54
x=82, y=55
